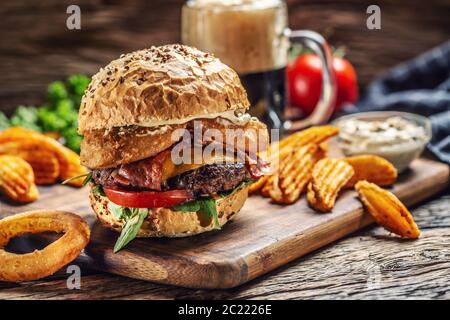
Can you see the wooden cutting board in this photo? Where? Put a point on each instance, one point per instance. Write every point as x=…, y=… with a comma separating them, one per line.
x=262, y=237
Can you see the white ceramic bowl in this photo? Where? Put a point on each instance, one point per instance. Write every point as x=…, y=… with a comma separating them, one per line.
x=401, y=156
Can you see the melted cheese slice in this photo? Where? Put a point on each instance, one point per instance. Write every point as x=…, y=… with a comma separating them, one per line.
x=171, y=170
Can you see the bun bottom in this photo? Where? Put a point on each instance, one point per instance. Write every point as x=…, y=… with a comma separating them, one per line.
x=164, y=222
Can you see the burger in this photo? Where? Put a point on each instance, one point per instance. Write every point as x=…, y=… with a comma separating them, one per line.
x=145, y=118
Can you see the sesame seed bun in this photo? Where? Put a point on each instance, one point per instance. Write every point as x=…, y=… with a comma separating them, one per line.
x=126, y=145
x=160, y=85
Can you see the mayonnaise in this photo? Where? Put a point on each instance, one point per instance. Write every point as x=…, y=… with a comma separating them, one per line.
x=395, y=139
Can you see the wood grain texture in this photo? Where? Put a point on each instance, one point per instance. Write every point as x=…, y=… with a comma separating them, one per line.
x=408, y=270
x=262, y=237
x=37, y=48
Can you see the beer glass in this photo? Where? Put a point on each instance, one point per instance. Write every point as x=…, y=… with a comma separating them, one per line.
x=253, y=38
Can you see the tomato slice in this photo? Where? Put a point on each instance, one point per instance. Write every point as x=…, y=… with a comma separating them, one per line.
x=147, y=199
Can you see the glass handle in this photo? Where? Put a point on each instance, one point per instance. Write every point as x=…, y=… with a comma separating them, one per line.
x=324, y=108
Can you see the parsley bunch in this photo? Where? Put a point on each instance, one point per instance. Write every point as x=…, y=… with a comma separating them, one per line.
x=59, y=114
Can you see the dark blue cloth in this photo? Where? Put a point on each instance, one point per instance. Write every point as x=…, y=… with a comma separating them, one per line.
x=422, y=86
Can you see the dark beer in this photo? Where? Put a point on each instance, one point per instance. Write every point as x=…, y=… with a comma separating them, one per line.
x=266, y=92
x=247, y=35
x=252, y=37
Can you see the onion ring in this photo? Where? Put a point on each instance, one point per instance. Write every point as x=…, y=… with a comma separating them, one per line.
x=45, y=262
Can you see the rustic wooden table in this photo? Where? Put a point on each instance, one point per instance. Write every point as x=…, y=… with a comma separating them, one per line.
x=370, y=264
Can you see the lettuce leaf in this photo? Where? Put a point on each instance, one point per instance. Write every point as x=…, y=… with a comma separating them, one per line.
x=134, y=217
x=203, y=205
x=191, y=206
x=208, y=205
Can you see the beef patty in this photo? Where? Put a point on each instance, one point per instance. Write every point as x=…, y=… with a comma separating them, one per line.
x=210, y=178
x=207, y=179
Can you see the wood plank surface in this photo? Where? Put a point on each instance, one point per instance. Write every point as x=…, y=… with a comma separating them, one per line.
x=344, y=270
x=262, y=237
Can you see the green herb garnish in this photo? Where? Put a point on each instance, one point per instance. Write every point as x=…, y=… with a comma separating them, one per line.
x=58, y=114
x=208, y=207
x=26, y=117
x=191, y=206
x=134, y=218
x=87, y=179
x=203, y=205
x=57, y=91
x=98, y=190
x=116, y=210
x=78, y=84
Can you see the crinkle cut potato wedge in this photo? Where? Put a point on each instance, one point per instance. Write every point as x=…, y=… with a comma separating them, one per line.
x=294, y=174
x=313, y=135
x=269, y=181
x=74, y=169
x=45, y=165
x=281, y=149
x=17, y=179
x=387, y=210
x=19, y=141
x=30, y=196
x=371, y=168
x=329, y=176
x=257, y=185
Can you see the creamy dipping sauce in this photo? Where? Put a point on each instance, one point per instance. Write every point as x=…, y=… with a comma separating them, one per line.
x=395, y=138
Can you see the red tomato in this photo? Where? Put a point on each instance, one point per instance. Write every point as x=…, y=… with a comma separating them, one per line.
x=147, y=199
x=305, y=82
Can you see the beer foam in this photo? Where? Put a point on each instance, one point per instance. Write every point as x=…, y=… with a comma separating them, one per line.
x=254, y=4
x=247, y=35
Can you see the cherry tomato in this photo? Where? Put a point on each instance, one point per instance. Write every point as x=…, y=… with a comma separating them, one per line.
x=305, y=82
x=147, y=199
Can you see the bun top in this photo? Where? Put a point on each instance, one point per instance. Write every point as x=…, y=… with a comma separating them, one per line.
x=161, y=85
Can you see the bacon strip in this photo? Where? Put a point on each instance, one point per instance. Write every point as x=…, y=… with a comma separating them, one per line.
x=147, y=173
x=259, y=169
